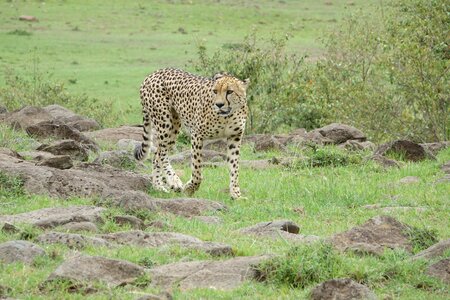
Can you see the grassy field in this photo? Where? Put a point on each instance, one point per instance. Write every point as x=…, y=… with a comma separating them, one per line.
x=321, y=200
x=105, y=51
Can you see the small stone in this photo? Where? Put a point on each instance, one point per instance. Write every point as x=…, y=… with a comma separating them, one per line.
x=71, y=240
x=374, y=236
x=28, y=18
x=85, y=269
x=341, y=289
x=10, y=228
x=66, y=147
x=409, y=180
x=220, y=275
x=209, y=219
x=134, y=222
x=440, y=270
x=59, y=161
x=385, y=162
x=80, y=226
x=434, y=251
x=19, y=251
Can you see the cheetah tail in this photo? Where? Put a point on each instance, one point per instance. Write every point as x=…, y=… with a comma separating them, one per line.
x=141, y=150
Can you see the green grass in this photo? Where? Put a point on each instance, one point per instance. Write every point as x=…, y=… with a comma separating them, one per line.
x=332, y=199
x=106, y=51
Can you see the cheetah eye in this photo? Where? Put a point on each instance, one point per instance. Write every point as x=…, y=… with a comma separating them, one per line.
x=229, y=92
x=215, y=91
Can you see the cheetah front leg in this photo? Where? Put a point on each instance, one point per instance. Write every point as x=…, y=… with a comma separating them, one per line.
x=196, y=164
x=233, y=148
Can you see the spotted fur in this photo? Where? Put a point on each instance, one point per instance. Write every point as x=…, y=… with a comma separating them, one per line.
x=207, y=107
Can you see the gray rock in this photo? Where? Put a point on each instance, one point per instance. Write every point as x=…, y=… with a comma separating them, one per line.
x=84, y=180
x=56, y=129
x=127, y=144
x=113, y=135
x=66, y=147
x=80, y=226
x=412, y=151
x=434, y=251
x=10, y=152
x=71, y=240
x=36, y=155
x=341, y=289
x=283, y=229
x=85, y=269
x=434, y=148
x=164, y=296
x=162, y=239
x=440, y=270
x=374, y=236
x=283, y=225
x=19, y=251
x=68, y=117
x=58, y=161
x=357, y=145
x=56, y=216
x=217, y=145
x=446, y=168
x=207, y=155
x=9, y=228
x=340, y=133
x=385, y=162
x=445, y=179
x=134, y=222
x=209, y=219
x=189, y=207
x=3, y=110
x=117, y=158
x=27, y=116
x=221, y=275
x=409, y=180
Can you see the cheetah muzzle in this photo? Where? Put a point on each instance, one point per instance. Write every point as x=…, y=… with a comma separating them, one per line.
x=207, y=107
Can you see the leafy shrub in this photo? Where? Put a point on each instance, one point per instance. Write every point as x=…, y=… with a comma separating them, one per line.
x=275, y=97
x=10, y=186
x=384, y=71
x=13, y=139
x=422, y=238
x=387, y=71
x=302, y=266
x=39, y=90
x=328, y=156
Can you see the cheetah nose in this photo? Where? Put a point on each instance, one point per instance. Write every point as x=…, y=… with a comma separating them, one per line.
x=219, y=105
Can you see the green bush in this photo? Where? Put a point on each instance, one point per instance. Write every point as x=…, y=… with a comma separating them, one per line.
x=40, y=90
x=386, y=72
x=302, y=266
x=276, y=98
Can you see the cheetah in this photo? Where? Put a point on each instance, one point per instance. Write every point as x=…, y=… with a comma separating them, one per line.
x=207, y=108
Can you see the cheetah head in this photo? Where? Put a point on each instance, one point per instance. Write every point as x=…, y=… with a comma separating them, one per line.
x=229, y=94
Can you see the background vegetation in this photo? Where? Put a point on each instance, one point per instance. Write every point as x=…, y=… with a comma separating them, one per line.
x=383, y=67
x=384, y=59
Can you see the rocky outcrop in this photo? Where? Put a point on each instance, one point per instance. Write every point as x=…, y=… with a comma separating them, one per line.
x=221, y=275
x=19, y=251
x=84, y=269
x=342, y=289
x=434, y=251
x=283, y=229
x=160, y=239
x=440, y=270
x=113, y=135
x=56, y=216
x=410, y=150
x=374, y=236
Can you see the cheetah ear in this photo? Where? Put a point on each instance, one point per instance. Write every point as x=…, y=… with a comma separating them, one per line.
x=219, y=75
x=246, y=83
